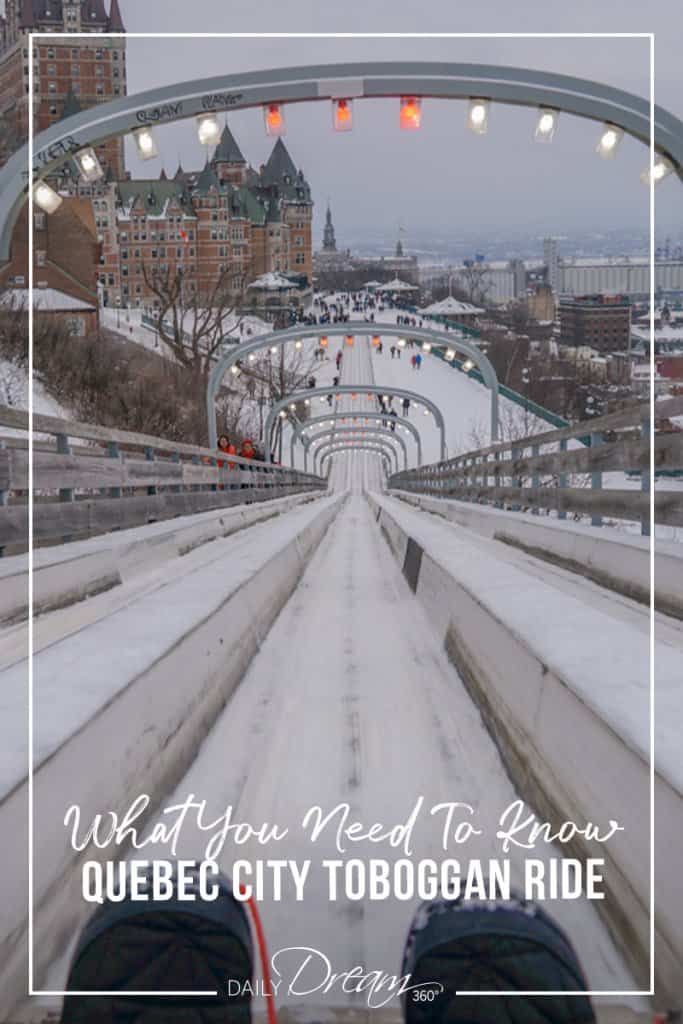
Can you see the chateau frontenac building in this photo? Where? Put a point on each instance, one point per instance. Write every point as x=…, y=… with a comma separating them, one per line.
x=226, y=223
x=68, y=75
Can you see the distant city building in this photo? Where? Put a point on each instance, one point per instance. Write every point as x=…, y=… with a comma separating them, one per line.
x=68, y=75
x=598, y=322
x=551, y=258
x=518, y=270
x=331, y=261
x=329, y=240
x=541, y=303
x=582, y=276
x=623, y=275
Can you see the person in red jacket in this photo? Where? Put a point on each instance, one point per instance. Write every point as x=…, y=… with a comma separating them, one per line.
x=247, y=449
x=225, y=445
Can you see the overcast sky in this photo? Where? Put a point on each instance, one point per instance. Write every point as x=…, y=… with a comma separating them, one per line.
x=442, y=178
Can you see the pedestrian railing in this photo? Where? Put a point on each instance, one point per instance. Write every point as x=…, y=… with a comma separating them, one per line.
x=545, y=472
x=89, y=479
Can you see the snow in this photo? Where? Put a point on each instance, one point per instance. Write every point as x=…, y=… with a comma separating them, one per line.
x=665, y=332
x=351, y=699
x=47, y=299
x=450, y=307
x=273, y=282
x=14, y=391
x=129, y=324
x=351, y=696
x=608, y=668
x=194, y=586
x=397, y=285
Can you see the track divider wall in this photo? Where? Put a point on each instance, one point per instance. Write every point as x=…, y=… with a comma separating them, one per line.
x=111, y=726
x=563, y=690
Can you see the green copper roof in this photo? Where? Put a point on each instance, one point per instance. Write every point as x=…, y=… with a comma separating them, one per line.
x=154, y=195
x=207, y=180
x=279, y=166
x=227, y=151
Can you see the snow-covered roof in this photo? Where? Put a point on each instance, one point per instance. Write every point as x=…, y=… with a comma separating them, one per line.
x=273, y=282
x=665, y=332
x=452, y=307
x=397, y=285
x=50, y=299
x=372, y=284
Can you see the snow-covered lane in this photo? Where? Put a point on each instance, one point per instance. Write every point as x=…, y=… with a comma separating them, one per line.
x=351, y=700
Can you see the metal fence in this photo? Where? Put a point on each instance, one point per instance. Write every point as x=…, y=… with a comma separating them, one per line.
x=548, y=472
x=89, y=479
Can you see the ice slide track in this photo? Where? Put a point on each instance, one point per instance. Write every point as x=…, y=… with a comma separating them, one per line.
x=366, y=710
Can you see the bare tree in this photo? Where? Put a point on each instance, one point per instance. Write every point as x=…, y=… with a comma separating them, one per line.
x=477, y=281
x=195, y=324
x=12, y=383
x=270, y=377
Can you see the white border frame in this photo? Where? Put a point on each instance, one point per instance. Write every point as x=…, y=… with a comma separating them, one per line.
x=32, y=991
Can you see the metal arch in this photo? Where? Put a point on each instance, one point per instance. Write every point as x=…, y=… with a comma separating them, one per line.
x=357, y=447
x=376, y=435
x=516, y=86
x=438, y=339
x=351, y=389
x=382, y=446
x=400, y=421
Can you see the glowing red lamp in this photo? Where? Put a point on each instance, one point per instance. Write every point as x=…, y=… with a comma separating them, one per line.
x=411, y=113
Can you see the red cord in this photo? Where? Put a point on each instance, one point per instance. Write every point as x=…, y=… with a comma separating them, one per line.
x=263, y=954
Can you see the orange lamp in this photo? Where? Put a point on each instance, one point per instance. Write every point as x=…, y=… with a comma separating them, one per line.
x=349, y=339
x=323, y=341
x=411, y=113
x=274, y=118
x=375, y=340
x=342, y=115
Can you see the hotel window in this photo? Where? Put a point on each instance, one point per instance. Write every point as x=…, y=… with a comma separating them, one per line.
x=39, y=221
x=75, y=71
x=41, y=258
